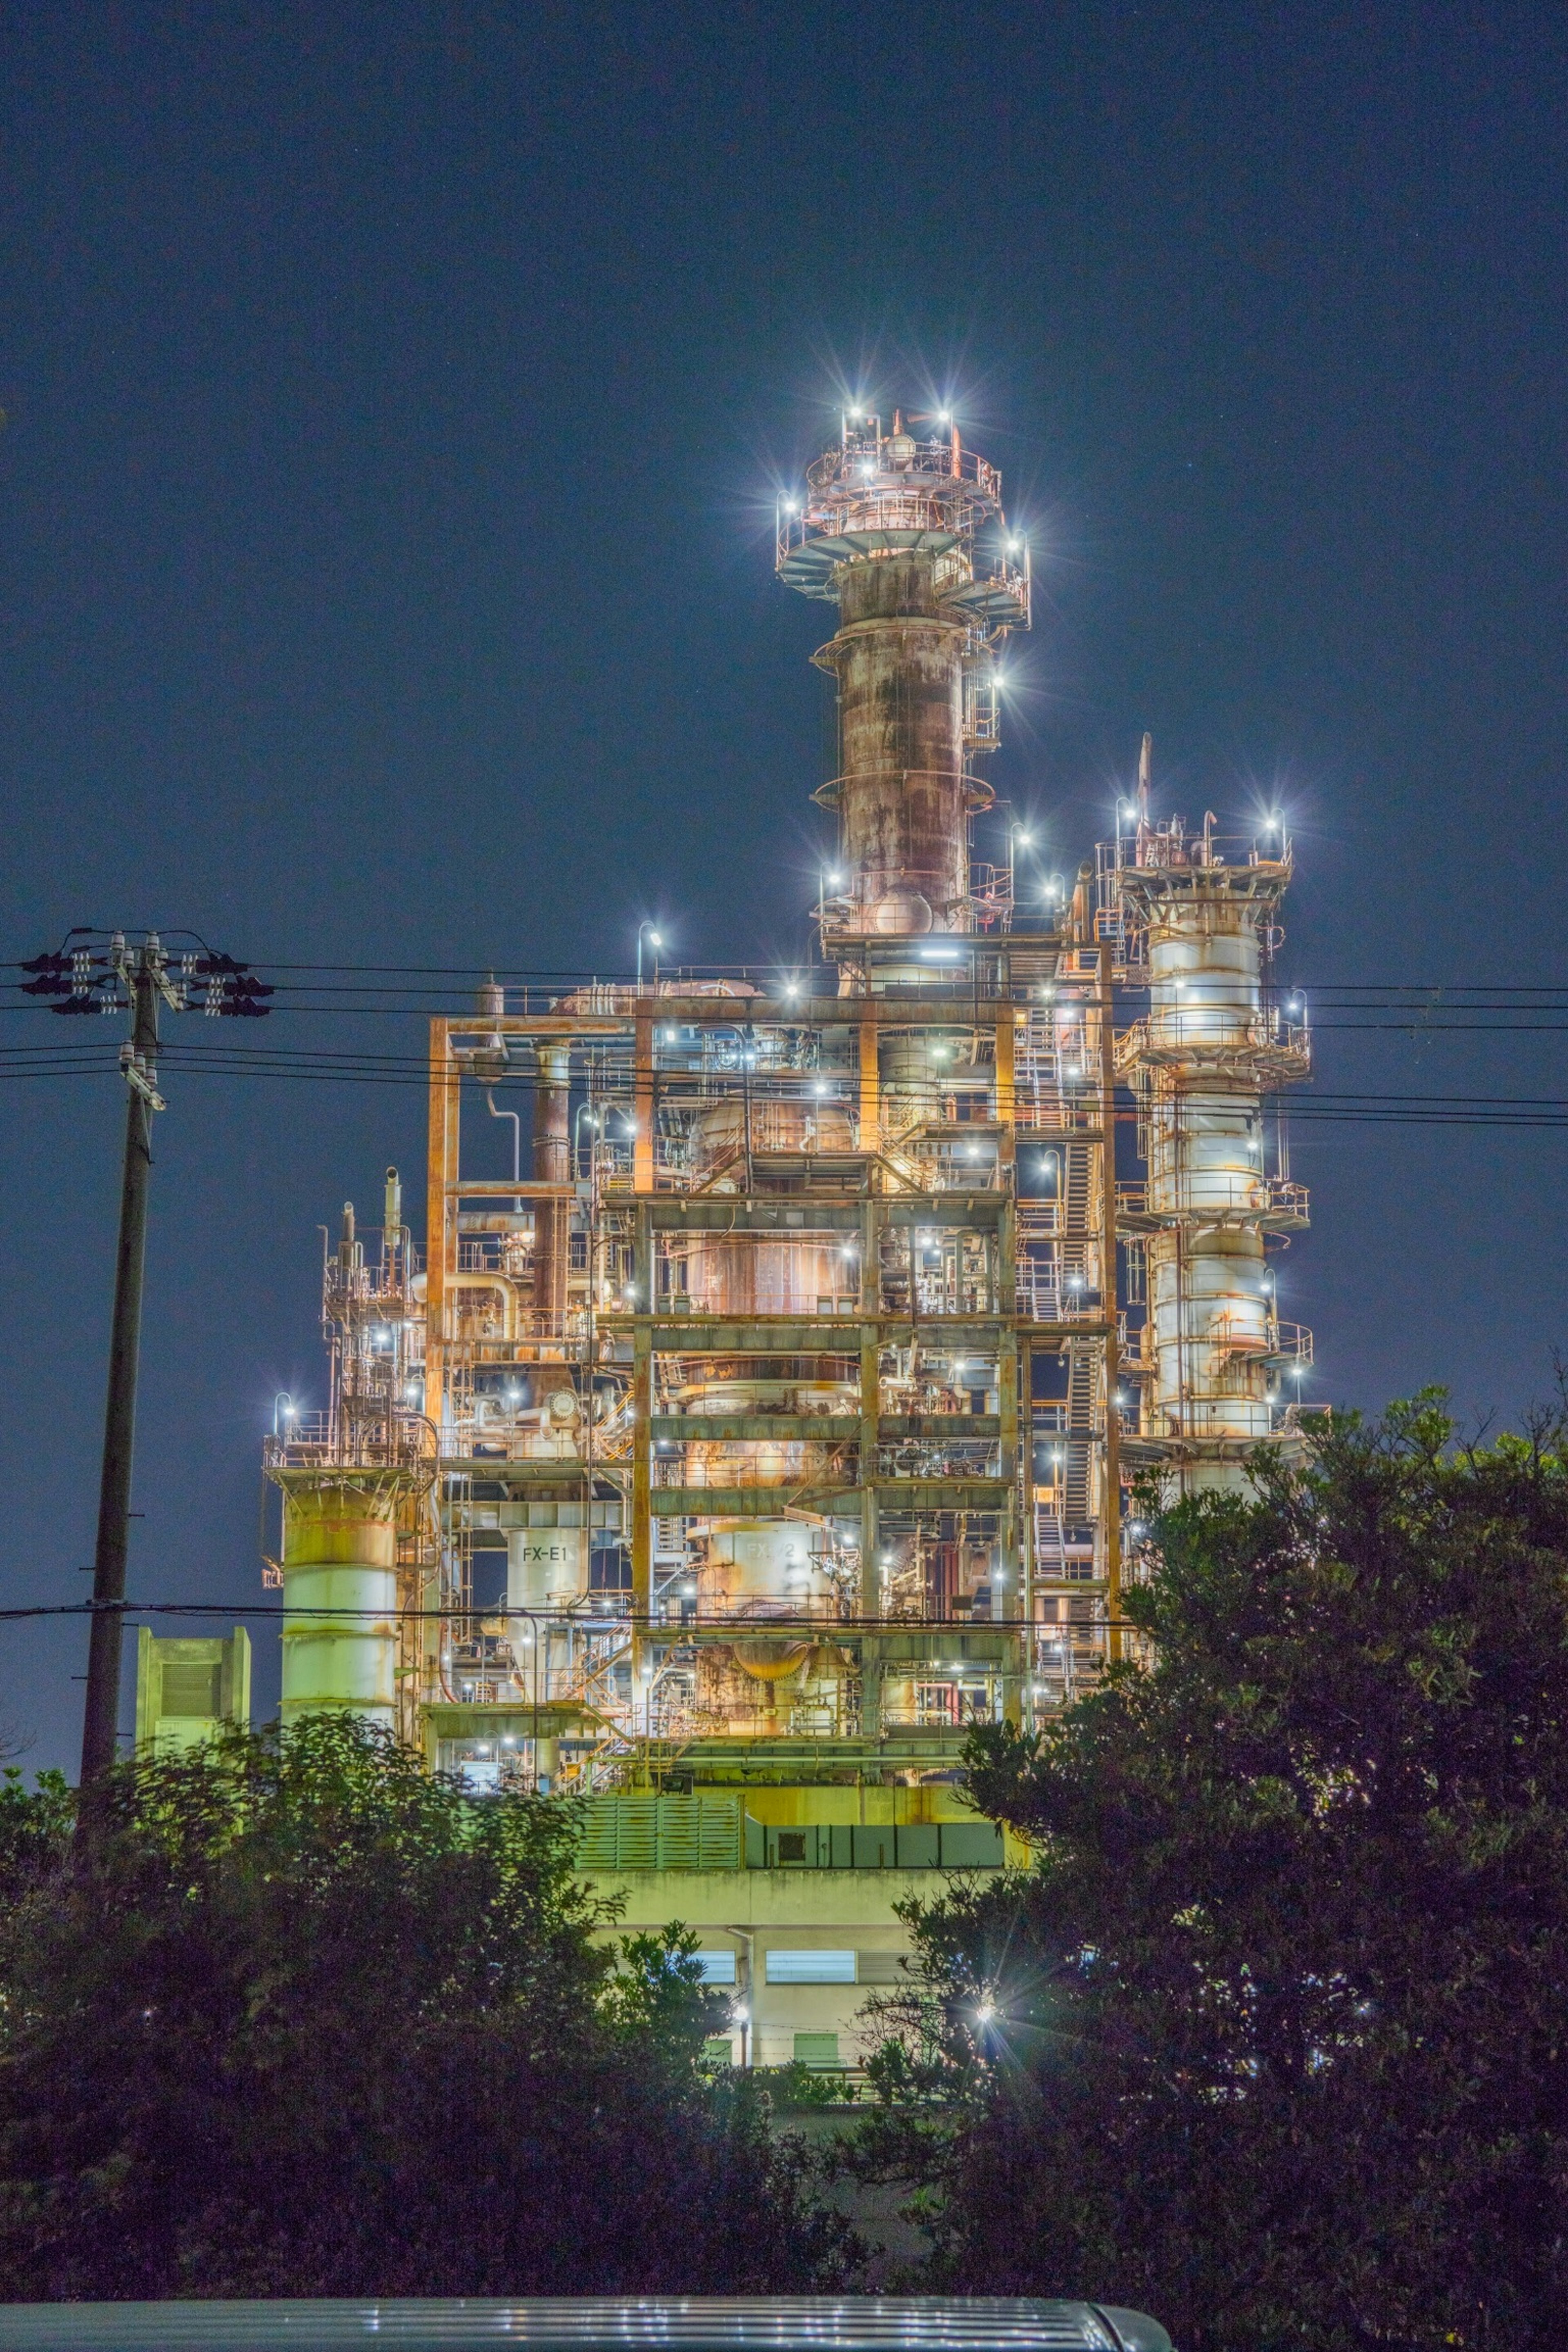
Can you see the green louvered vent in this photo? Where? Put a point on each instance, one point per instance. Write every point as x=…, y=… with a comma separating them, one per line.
x=192, y=1690
x=638, y=1832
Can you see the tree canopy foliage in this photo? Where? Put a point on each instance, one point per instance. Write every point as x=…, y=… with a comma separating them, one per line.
x=1273, y=2040
x=301, y=2019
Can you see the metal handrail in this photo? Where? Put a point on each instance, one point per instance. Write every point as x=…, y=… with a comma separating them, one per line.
x=1175, y=1030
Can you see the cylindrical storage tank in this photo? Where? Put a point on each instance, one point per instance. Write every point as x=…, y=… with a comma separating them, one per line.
x=771, y=1462
x=919, y=1068
x=900, y=1701
x=546, y=1568
x=773, y=1122
x=740, y=1276
x=340, y=1549
x=766, y=1560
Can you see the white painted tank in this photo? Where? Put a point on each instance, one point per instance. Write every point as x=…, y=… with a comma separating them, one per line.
x=546, y=1568
x=768, y=1560
x=1207, y=1304
x=339, y=1594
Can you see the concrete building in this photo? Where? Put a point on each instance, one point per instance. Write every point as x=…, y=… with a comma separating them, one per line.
x=189, y=1688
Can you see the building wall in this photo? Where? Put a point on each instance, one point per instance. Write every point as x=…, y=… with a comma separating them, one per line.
x=752, y=1912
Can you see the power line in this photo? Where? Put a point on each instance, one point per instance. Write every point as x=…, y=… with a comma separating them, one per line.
x=437, y=1616
x=321, y=1069
x=579, y=974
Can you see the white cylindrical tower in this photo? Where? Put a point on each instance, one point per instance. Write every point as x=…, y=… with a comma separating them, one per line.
x=339, y=1592
x=1201, y=1063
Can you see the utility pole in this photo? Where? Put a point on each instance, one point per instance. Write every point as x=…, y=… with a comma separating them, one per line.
x=135, y=979
x=139, y=1061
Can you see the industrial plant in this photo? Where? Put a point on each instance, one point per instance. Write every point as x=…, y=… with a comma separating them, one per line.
x=751, y=1399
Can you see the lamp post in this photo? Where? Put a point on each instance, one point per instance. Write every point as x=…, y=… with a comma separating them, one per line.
x=284, y=1410
x=653, y=941
x=583, y=1111
x=1018, y=836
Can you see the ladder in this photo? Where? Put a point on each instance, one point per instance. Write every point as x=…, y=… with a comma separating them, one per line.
x=1083, y=1383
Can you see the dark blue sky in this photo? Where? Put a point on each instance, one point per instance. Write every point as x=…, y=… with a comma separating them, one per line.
x=395, y=399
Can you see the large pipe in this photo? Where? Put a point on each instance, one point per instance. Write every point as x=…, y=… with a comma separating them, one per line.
x=500, y=1284
x=551, y=1165
x=339, y=1593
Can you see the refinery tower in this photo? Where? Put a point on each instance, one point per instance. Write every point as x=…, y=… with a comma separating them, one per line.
x=757, y=1409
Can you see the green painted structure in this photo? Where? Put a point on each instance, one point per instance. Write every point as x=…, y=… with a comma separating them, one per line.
x=189, y=1688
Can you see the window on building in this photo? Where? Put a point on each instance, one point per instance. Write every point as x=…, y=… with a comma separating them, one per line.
x=717, y=1968
x=820, y=2050
x=810, y=1968
x=719, y=2051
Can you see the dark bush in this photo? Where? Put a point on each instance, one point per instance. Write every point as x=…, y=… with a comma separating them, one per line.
x=302, y=2019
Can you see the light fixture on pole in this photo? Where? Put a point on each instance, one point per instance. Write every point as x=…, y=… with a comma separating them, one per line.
x=1018, y=836
x=584, y=1110
x=651, y=931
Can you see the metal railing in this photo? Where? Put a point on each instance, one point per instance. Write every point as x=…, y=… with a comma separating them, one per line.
x=1206, y=1034
x=347, y=1440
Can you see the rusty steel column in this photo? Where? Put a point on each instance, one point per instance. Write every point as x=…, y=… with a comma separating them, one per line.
x=907, y=536
x=900, y=790
x=551, y=1165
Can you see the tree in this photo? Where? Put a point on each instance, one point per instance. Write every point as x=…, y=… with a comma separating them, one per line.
x=306, y=2020
x=1273, y=2040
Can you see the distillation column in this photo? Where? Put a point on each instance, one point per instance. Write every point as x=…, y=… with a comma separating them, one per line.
x=887, y=532
x=1202, y=1063
x=901, y=795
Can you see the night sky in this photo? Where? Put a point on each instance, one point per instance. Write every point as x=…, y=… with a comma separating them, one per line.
x=396, y=397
